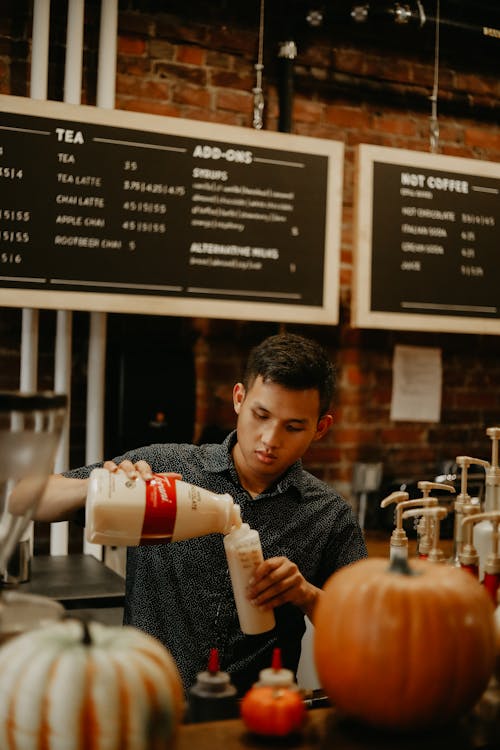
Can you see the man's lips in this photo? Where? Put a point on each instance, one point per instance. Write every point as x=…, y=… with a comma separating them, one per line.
x=266, y=457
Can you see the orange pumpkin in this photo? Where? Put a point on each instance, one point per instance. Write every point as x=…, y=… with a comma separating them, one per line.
x=274, y=711
x=403, y=648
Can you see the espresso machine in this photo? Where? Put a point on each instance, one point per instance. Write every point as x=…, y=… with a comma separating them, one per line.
x=30, y=430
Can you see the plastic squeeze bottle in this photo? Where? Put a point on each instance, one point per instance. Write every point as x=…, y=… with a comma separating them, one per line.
x=128, y=512
x=483, y=532
x=213, y=696
x=244, y=553
x=491, y=578
x=276, y=675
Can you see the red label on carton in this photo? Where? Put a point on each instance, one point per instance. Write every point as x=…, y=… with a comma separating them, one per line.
x=160, y=511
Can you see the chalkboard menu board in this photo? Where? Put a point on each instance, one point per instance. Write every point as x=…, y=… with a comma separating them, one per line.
x=117, y=211
x=427, y=242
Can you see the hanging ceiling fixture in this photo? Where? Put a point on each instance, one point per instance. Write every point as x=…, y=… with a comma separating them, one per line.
x=401, y=13
x=258, y=95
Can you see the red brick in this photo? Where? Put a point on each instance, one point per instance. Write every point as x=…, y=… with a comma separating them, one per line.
x=346, y=256
x=169, y=27
x=146, y=88
x=386, y=68
x=226, y=38
x=193, y=74
x=348, y=60
x=154, y=108
x=346, y=436
x=223, y=60
x=405, y=435
x=346, y=277
x=485, y=137
x=128, y=45
x=305, y=110
x=232, y=80
x=161, y=49
x=227, y=118
x=445, y=148
x=190, y=55
x=192, y=96
x=349, y=117
x=395, y=124
x=133, y=66
x=135, y=23
x=474, y=84
x=235, y=101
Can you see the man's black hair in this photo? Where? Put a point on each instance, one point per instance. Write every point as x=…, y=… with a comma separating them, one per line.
x=294, y=362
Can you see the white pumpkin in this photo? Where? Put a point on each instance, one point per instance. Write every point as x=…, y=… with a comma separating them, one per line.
x=71, y=685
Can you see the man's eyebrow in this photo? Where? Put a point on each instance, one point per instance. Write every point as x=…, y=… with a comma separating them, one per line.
x=257, y=405
x=260, y=407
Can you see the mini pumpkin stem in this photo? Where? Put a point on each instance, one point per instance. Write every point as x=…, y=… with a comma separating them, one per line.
x=87, y=638
x=84, y=622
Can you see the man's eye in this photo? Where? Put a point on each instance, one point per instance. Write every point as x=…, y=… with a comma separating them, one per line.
x=292, y=428
x=260, y=416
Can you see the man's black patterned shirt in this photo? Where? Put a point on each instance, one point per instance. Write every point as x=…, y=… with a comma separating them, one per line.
x=181, y=592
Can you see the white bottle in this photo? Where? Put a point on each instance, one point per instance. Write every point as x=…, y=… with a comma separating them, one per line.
x=244, y=553
x=483, y=531
x=127, y=512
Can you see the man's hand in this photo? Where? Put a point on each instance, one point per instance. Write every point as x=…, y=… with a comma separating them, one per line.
x=140, y=469
x=278, y=580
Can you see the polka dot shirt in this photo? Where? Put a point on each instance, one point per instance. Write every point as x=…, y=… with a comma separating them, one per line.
x=181, y=592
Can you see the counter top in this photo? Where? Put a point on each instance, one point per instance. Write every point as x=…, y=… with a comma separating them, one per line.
x=324, y=730
x=76, y=580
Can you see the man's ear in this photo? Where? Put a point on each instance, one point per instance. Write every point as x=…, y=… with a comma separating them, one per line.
x=238, y=396
x=324, y=425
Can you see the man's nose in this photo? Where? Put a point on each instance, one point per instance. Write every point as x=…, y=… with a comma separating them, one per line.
x=271, y=436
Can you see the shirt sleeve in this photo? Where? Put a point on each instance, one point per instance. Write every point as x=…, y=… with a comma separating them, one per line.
x=345, y=544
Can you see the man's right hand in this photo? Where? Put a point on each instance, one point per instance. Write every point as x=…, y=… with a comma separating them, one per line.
x=140, y=469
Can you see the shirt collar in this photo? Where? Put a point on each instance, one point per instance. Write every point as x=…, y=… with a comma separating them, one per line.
x=220, y=459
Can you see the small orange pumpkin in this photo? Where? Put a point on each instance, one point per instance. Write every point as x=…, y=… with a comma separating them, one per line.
x=273, y=710
x=403, y=648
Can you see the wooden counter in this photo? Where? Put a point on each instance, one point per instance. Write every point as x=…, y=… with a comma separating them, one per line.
x=325, y=731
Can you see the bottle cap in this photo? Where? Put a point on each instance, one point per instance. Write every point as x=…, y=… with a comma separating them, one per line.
x=275, y=675
x=212, y=679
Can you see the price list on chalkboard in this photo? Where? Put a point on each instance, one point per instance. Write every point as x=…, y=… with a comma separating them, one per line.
x=89, y=207
x=434, y=239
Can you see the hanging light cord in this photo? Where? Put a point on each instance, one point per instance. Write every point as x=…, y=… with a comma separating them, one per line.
x=434, y=125
x=258, y=97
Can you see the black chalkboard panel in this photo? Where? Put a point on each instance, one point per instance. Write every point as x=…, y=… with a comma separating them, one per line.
x=109, y=210
x=427, y=242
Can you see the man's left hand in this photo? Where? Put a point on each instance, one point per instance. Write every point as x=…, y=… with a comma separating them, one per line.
x=278, y=580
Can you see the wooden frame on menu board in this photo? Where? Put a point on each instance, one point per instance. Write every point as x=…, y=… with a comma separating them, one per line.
x=124, y=212
x=426, y=242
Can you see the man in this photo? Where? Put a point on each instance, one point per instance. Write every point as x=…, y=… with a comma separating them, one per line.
x=181, y=592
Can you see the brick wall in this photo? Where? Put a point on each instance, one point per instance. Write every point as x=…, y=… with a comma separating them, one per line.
x=197, y=61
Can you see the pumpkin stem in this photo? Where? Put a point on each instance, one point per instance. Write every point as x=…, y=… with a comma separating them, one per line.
x=87, y=638
x=84, y=622
x=399, y=564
